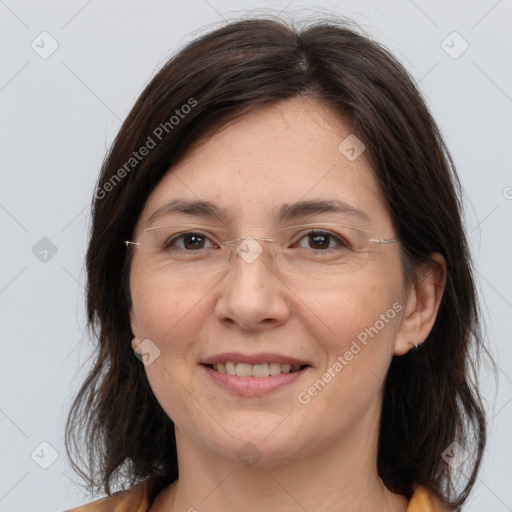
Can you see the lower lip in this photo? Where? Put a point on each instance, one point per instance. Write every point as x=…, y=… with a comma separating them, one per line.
x=253, y=386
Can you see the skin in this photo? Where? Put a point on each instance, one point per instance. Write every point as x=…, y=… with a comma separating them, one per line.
x=318, y=456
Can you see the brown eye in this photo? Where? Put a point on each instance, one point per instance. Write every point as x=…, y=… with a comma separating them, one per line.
x=322, y=240
x=190, y=241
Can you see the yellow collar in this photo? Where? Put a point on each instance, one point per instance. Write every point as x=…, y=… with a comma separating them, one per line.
x=422, y=501
x=136, y=499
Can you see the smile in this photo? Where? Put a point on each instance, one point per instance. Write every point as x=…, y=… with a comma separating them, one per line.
x=254, y=370
x=251, y=380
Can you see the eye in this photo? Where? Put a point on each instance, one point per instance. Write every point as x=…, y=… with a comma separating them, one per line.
x=322, y=240
x=189, y=241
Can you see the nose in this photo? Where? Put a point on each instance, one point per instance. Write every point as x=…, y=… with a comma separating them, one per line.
x=252, y=295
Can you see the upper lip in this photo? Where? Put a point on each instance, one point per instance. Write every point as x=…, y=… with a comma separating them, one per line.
x=262, y=357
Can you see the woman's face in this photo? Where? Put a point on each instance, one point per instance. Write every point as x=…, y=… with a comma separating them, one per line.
x=341, y=327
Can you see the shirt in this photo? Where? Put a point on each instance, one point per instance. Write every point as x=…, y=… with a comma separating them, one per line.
x=136, y=499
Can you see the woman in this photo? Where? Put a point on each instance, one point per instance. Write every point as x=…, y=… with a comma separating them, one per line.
x=277, y=237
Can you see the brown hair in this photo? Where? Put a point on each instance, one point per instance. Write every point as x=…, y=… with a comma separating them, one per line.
x=431, y=398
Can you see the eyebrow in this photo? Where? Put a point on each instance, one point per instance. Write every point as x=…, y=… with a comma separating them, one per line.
x=286, y=211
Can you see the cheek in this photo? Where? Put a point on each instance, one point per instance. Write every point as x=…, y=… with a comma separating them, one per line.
x=162, y=310
x=168, y=316
x=356, y=329
x=360, y=303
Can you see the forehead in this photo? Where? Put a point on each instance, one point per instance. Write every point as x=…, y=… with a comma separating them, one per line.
x=278, y=154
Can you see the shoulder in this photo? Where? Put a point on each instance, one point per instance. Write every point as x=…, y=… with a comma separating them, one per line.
x=423, y=501
x=134, y=499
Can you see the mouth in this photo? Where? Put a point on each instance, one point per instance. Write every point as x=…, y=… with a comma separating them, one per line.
x=264, y=364
x=261, y=370
x=253, y=374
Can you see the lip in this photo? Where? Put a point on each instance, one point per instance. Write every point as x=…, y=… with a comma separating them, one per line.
x=262, y=357
x=252, y=386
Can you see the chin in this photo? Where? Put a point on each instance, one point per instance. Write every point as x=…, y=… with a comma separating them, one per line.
x=250, y=444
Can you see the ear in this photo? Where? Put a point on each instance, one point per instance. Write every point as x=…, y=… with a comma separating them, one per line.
x=422, y=304
x=135, y=330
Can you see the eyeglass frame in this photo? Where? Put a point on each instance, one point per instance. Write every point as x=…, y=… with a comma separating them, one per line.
x=237, y=240
x=379, y=241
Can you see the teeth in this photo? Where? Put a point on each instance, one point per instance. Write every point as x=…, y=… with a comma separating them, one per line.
x=230, y=368
x=244, y=370
x=274, y=368
x=259, y=370
x=254, y=370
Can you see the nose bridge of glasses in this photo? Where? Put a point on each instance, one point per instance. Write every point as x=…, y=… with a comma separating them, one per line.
x=248, y=248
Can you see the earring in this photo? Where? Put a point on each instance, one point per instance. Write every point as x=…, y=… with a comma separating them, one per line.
x=413, y=345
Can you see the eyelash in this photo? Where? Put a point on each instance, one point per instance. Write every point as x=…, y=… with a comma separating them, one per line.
x=338, y=239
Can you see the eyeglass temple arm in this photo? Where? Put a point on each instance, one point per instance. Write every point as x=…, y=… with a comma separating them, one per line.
x=383, y=240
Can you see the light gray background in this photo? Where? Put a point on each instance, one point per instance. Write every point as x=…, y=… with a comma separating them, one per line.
x=59, y=115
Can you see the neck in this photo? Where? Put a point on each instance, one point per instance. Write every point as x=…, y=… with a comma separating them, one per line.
x=338, y=476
